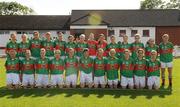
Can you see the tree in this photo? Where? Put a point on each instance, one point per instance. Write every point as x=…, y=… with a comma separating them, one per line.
x=14, y=8
x=160, y=4
x=173, y=4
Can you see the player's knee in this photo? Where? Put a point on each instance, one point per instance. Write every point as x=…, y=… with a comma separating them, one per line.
x=123, y=87
x=60, y=86
x=67, y=85
x=150, y=87
x=131, y=86
x=95, y=85
x=90, y=85
x=111, y=86
x=103, y=85
x=82, y=85
x=74, y=86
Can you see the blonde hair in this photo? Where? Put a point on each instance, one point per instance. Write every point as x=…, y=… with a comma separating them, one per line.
x=112, y=50
x=57, y=51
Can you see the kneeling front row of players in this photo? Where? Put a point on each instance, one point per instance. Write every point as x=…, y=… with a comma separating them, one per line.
x=92, y=72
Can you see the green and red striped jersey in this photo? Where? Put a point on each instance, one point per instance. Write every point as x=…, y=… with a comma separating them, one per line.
x=61, y=46
x=140, y=67
x=112, y=68
x=134, y=47
x=12, y=65
x=42, y=66
x=22, y=48
x=71, y=65
x=56, y=66
x=127, y=67
x=166, y=52
x=113, y=46
x=153, y=68
x=80, y=47
x=148, y=50
x=100, y=67
x=35, y=47
x=49, y=46
x=11, y=45
x=122, y=47
x=70, y=45
x=28, y=66
x=86, y=64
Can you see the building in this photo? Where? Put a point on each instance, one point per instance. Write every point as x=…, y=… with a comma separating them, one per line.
x=148, y=23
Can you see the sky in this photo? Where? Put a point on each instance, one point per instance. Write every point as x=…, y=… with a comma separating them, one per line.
x=64, y=7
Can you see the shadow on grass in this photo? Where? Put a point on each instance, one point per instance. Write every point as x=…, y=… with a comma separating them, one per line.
x=99, y=93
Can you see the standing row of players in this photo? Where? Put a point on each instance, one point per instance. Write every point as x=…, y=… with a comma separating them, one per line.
x=36, y=46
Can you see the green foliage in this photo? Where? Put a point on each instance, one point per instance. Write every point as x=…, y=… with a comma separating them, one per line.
x=14, y=8
x=160, y=4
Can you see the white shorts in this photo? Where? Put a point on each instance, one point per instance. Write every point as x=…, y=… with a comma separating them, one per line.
x=34, y=58
x=78, y=57
x=93, y=57
x=12, y=78
x=42, y=80
x=153, y=80
x=113, y=82
x=140, y=81
x=57, y=79
x=63, y=57
x=99, y=80
x=71, y=79
x=85, y=78
x=28, y=79
x=21, y=58
x=125, y=81
x=166, y=65
x=50, y=57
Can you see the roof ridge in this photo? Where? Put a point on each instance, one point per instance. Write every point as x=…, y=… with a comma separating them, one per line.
x=34, y=15
x=126, y=10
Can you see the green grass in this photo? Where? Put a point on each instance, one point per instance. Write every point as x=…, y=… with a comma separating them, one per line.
x=90, y=97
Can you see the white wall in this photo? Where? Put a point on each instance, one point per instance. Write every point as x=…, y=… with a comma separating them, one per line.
x=128, y=33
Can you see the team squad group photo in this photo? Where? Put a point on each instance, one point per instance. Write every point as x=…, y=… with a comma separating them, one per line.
x=85, y=62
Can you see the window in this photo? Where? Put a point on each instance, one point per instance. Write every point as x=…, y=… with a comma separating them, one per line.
x=133, y=32
x=19, y=32
x=24, y=32
x=42, y=33
x=122, y=32
x=64, y=32
x=1, y=32
x=30, y=32
x=78, y=32
x=146, y=33
x=4, y=32
x=110, y=32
